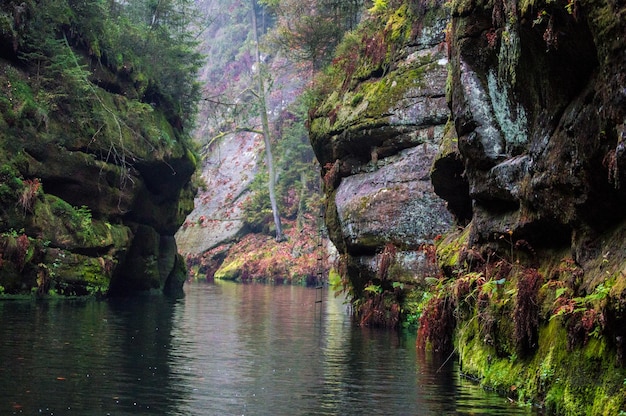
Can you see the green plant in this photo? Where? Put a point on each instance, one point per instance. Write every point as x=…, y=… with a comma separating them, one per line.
x=84, y=215
x=387, y=259
x=378, y=6
x=372, y=288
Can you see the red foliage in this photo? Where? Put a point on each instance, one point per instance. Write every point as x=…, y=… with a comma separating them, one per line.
x=375, y=48
x=436, y=325
x=526, y=312
x=348, y=65
x=492, y=38
x=29, y=194
x=263, y=259
x=551, y=36
x=20, y=254
x=580, y=325
x=332, y=174
x=375, y=313
x=387, y=258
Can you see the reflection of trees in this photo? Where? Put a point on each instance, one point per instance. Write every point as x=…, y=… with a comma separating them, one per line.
x=225, y=349
x=436, y=378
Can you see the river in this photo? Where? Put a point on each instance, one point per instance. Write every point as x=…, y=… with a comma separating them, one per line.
x=224, y=349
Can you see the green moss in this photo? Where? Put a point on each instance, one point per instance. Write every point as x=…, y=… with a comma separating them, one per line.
x=399, y=26
x=76, y=275
x=368, y=106
x=449, y=142
x=450, y=247
x=592, y=386
x=333, y=224
x=6, y=25
x=230, y=270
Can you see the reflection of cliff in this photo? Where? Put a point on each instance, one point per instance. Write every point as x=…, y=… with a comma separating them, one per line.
x=89, y=356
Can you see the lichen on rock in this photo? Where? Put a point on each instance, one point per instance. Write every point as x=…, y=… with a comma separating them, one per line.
x=532, y=276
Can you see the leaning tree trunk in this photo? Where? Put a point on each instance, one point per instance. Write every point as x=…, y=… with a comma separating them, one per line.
x=266, y=130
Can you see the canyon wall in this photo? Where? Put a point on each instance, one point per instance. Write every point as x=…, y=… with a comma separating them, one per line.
x=95, y=171
x=376, y=135
x=529, y=286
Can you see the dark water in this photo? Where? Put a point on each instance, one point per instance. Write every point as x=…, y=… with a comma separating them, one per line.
x=225, y=349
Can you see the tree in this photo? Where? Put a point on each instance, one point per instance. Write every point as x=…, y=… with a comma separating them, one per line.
x=260, y=93
x=310, y=30
x=237, y=90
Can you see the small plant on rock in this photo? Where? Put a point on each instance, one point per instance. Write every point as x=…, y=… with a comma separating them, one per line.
x=29, y=194
x=526, y=312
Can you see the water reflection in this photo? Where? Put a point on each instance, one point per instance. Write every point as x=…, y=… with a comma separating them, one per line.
x=225, y=349
x=87, y=357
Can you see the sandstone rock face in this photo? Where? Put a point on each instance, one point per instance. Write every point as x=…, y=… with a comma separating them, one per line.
x=393, y=204
x=539, y=108
x=376, y=142
x=228, y=169
x=534, y=169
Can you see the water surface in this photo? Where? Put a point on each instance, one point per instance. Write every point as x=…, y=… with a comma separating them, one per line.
x=225, y=349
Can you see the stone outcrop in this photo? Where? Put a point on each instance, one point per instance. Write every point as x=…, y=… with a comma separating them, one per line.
x=531, y=165
x=228, y=168
x=376, y=140
x=538, y=104
x=94, y=183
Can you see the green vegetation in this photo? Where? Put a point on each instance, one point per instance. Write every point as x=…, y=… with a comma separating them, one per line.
x=518, y=329
x=95, y=100
x=297, y=184
x=309, y=31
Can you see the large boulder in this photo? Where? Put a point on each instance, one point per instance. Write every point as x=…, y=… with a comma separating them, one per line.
x=538, y=106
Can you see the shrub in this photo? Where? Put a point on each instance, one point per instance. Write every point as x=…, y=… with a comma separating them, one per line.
x=436, y=325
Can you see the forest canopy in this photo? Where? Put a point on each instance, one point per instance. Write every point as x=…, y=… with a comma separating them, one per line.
x=148, y=44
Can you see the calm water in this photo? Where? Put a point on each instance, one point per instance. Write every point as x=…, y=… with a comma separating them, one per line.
x=225, y=349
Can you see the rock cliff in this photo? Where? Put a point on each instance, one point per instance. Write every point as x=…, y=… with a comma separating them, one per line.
x=376, y=135
x=94, y=182
x=538, y=103
x=531, y=166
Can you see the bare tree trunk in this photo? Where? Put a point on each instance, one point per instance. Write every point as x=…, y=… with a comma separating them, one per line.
x=266, y=130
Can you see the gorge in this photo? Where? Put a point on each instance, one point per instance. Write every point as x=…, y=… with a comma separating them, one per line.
x=471, y=157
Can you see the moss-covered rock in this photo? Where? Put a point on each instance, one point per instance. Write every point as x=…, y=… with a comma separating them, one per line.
x=93, y=182
x=536, y=278
x=375, y=129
